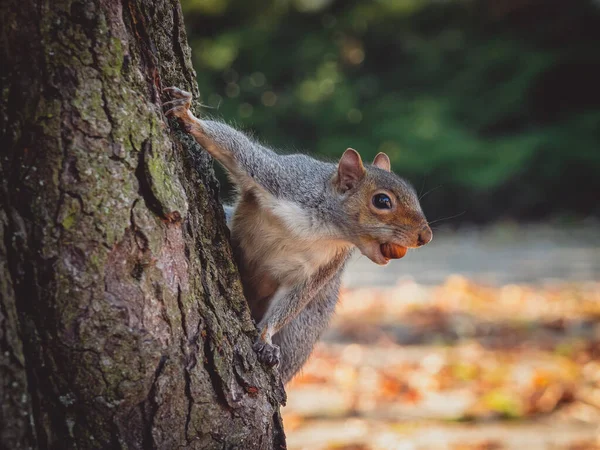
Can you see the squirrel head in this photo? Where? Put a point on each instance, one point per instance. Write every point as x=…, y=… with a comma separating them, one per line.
x=381, y=210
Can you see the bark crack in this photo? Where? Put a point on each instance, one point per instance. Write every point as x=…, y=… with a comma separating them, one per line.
x=177, y=45
x=188, y=365
x=209, y=361
x=149, y=412
x=24, y=283
x=145, y=190
x=148, y=49
x=215, y=379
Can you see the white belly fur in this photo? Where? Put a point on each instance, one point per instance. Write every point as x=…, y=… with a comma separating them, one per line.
x=277, y=237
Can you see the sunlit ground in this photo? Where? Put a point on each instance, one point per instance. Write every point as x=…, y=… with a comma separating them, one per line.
x=459, y=364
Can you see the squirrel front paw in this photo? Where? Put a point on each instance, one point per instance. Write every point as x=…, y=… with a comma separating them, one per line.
x=268, y=354
x=179, y=106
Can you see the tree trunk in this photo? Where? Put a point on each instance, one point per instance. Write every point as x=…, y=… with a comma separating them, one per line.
x=122, y=319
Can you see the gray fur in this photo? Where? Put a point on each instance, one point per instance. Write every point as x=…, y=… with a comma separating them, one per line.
x=301, y=318
x=279, y=174
x=294, y=227
x=301, y=179
x=298, y=178
x=297, y=339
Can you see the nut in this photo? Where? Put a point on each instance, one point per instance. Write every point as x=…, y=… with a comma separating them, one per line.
x=393, y=251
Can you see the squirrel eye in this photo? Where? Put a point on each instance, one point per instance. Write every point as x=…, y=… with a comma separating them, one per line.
x=382, y=201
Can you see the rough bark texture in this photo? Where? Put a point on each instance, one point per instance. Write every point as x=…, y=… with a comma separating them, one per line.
x=122, y=320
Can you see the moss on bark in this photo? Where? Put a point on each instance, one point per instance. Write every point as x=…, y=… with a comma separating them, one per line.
x=122, y=320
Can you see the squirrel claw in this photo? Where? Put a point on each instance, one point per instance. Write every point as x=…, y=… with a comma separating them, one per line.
x=179, y=105
x=268, y=354
x=178, y=93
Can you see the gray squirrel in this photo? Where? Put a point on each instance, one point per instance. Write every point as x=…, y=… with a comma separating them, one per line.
x=296, y=222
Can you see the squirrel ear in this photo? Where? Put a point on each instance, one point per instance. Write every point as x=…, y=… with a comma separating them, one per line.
x=383, y=162
x=350, y=169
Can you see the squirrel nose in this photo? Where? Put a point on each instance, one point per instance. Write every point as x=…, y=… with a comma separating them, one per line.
x=425, y=236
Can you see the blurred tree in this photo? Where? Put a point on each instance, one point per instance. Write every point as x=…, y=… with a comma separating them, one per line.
x=496, y=101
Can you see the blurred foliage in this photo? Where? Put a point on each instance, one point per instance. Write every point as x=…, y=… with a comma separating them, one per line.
x=497, y=102
x=420, y=367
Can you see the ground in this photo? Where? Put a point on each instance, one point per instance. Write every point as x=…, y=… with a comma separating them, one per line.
x=466, y=363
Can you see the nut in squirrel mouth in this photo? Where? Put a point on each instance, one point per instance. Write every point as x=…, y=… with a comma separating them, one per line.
x=382, y=253
x=392, y=251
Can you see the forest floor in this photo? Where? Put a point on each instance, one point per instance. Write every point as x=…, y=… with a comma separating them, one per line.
x=463, y=363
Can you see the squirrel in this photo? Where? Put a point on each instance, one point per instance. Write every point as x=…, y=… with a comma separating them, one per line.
x=295, y=224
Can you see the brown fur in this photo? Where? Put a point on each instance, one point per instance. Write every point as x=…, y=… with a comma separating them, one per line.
x=268, y=256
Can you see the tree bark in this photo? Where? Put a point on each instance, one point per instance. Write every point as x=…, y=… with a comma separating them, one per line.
x=122, y=319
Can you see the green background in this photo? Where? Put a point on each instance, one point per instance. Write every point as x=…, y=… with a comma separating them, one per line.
x=495, y=105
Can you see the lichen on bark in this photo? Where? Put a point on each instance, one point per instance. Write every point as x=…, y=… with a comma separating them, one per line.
x=122, y=320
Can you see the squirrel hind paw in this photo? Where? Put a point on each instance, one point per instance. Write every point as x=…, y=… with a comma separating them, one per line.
x=268, y=354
